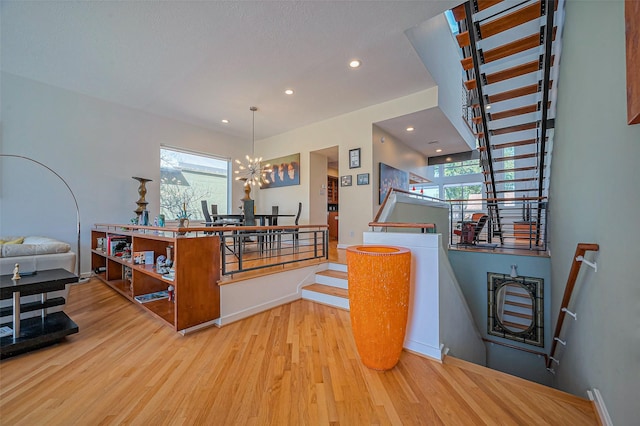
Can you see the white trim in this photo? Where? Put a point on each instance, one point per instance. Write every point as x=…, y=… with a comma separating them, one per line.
x=603, y=415
x=188, y=330
x=245, y=313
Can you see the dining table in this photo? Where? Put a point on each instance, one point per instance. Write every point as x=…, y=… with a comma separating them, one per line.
x=267, y=219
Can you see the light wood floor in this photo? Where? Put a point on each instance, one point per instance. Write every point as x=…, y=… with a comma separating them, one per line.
x=293, y=365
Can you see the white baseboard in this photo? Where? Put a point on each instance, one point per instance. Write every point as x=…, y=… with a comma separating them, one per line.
x=423, y=349
x=596, y=397
x=245, y=313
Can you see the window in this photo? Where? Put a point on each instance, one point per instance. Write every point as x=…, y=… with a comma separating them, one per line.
x=432, y=191
x=187, y=178
x=468, y=167
x=471, y=191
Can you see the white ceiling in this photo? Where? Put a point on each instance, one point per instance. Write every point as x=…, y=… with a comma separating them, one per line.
x=204, y=61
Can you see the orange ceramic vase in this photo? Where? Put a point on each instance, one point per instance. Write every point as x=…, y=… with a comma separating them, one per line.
x=379, y=282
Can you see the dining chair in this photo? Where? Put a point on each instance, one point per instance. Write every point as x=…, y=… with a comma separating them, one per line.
x=250, y=220
x=207, y=216
x=273, y=233
x=295, y=231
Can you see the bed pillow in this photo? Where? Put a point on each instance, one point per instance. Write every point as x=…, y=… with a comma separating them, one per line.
x=12, y=240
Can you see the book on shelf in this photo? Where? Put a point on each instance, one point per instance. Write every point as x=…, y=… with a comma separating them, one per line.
x=144, y=298
x=8, y=331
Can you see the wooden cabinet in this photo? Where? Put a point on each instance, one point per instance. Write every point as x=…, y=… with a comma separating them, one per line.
x=197, y=271
x=332, y=190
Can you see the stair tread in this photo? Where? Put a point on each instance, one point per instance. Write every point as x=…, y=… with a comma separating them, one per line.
x=333, y=274
x=327, y=289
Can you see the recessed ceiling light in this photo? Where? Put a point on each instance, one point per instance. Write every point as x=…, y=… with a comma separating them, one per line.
x=289, y=92
x=355, y=63
x=439, y=150
x=225, y=121
x=488, y=107
x=410, y=129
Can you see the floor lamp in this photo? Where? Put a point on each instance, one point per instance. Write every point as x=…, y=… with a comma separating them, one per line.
x=79, y=263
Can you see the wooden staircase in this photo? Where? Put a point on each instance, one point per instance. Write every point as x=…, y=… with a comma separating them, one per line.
x=510, y=56
x=330, y=288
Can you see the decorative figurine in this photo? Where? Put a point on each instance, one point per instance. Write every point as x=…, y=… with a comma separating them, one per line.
x=16, y=272
x=170, y=290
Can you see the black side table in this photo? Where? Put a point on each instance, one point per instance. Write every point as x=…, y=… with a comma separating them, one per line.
x=36, y=332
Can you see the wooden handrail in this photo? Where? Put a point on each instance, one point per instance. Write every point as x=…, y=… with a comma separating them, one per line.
x=581, y=249
x=422, y=226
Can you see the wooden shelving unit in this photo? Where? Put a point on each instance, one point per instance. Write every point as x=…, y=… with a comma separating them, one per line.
x=332, y=190
x=197, y=272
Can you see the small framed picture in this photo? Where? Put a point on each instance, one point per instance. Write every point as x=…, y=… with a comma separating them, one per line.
x=354, y=158
x=363, y=179
x=345, y=180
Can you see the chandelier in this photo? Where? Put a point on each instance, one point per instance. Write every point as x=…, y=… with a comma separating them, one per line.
x=251, y=172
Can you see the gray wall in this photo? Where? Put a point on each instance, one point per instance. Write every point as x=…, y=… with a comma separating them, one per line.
x=471, y=271
x=595, y=197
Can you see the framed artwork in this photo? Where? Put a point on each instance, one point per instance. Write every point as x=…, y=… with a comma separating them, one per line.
x=285, y=171
x=516, y=308
x=363, y=179
x=354, y=158
x=345, y=180
x=390, y=177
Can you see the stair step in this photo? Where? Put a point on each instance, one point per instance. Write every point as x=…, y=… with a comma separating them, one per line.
x=511, y=20
x=463, y=39
x=508, y=49
x=517, y=169
x=515, y=93
x=512, y=180
x=516, y=143
x=327, y=295
x=516, y=190
x=517, y=128
x=333, y=278
x=528, y=109
x=516, y=71
x=516, y=157
x=333, y=266
x=467, y=63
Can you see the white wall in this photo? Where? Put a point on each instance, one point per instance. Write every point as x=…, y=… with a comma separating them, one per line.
x=440, y=53
x=595, y=198
x=395, y=154
x=348, y=131
x=96, y=147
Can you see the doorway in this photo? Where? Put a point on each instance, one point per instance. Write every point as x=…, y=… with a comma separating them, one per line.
x=325, y=167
